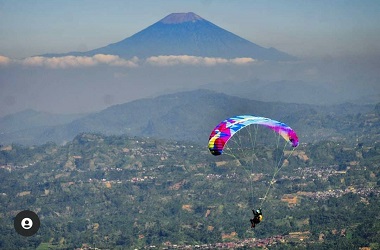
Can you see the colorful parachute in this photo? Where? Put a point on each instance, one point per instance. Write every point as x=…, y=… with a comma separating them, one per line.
x=227, y=128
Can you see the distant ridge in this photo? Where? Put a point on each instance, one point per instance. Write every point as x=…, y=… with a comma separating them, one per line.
x=187, y=116
x=185, y=34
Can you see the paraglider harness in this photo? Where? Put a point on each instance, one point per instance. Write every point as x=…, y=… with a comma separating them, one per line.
x=257, y=217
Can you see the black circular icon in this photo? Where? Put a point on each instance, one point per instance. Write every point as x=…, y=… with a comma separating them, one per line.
x=26, y=223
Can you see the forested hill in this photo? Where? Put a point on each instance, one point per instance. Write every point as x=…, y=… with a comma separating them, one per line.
x=191, y=116
x=120, y=192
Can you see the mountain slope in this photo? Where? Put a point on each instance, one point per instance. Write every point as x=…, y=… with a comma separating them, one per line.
x=185, y=34
x=191, y=115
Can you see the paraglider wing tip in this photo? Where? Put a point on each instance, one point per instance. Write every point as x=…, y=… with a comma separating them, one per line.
x=294, y=142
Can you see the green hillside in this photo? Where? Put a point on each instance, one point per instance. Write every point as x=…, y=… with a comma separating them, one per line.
x=137, y=192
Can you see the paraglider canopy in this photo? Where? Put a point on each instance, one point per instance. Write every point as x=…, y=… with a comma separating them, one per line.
x=227, y=128
x=254, y=144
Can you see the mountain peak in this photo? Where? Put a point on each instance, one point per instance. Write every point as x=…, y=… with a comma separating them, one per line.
x=185, y=34
x=175, y=18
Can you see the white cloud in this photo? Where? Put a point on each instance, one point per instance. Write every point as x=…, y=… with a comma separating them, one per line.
x=71, y=61
x=65, y=62
x=242, y=60
x=60, y=62
x=78, y=61
x=116, y=60
x=195, y=60
x=4, y=60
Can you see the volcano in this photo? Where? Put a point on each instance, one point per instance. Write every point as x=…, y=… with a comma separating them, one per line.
x=186, y=34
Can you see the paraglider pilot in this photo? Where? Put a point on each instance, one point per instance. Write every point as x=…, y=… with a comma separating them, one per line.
x=257, y=217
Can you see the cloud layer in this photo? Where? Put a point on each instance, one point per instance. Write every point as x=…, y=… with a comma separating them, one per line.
x=4, y=60
x=195, y=60
x=78, y=61
x=112, y=60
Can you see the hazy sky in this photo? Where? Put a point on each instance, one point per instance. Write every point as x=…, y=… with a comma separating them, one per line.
x=337, y=42
x=299, y=27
